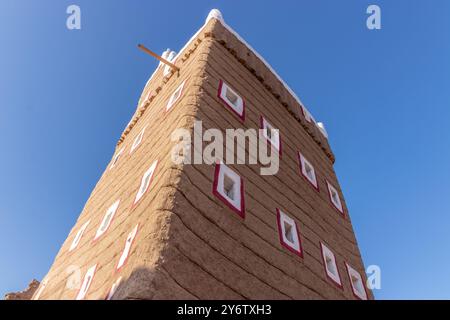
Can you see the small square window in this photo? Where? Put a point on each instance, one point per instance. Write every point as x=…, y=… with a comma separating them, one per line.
x=233, y=100
x=356, y=281
x=229, y=187
x=106, y=222
x=78, y=236
x=271, y=134
x=288, y=233
x=331, y=269
x=145, y=182
x=116, y=158
x=113, y=289
x=334, y=198
x=175, y=96
x=126, y=250
x=137, y=141
x=308, y=171
x=87, y=281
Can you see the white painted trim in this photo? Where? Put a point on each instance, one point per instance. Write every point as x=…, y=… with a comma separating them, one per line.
x=303, y=163
x=285, y=219
x=116, y=158
x=239, y=106
x=87, y=281
x=107, y=218
x=137, y=141
x=78, y=236
x=176, y=95
x=358, y=288
x=113, y=289
x=333, y=274
x=337, y=203
x=128, y=244
x=215, y=14
x=225, y=170
x=145, y=182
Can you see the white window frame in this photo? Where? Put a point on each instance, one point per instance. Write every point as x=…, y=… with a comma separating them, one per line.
x=295, y=245
x=354, y=276
x=237, y=204
x=176, y=95
x=275, y=139
x=146, y=181
x=328, y=255
x=111, y=212
x=87, y=281
x=116, y=158
x=126, y=250
x=113, y=289
x=237, y=108
x=78, y=236
x=137, y=141
x=304, y=163
x=337, y=203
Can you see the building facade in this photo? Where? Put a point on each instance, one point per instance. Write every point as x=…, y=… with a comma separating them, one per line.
x=155, y=229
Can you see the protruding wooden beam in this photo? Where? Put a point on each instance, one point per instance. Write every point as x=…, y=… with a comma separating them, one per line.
x=156, y=56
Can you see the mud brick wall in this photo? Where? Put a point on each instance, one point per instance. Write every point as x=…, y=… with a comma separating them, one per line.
x=190, y=245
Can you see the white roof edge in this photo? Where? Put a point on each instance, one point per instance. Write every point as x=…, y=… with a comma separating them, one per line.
x=216, y=14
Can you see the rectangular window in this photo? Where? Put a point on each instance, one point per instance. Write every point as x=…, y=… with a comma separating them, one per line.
x=87, y=281
x=106, y=222
x=356, y=281
x=271, y=134
x=175, y=96
x=116, y=158
x=329, y=262
x=308, y=171
x=229, y=187
x=78, y=236
x=232, y=100
x=126, y=250
x=137, y=141
x=334, y=198
x=145, y=182
x=288, y=233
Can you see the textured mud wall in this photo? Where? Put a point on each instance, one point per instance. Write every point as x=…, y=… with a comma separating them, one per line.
x=189, y=244
x=152, y=213
x=235, y=258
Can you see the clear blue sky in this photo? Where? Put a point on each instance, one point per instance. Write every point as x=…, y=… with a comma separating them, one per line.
x=65, y=97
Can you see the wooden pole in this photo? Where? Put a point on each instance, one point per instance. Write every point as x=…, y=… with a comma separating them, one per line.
x=154, y=55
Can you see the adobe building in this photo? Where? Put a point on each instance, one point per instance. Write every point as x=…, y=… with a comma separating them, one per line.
x=154, y=229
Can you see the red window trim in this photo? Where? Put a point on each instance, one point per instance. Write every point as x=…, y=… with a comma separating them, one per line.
x=284, y=244
x=219, y=95
x=135, y=204
x=96, y=240
x=90, y=283
x=183, y=84
x=339, y=285
x=118, y=269
x=351, y=284
x=331, y=200
x=240, y=212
